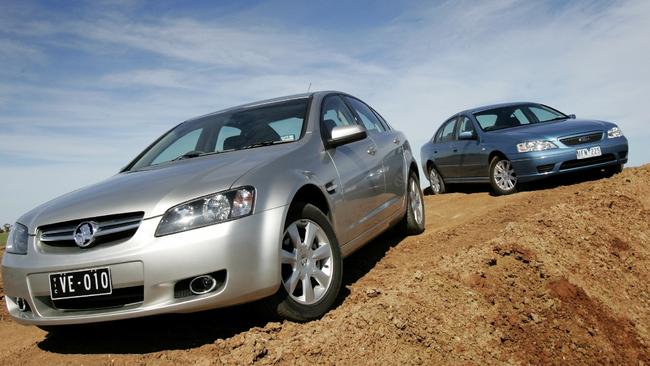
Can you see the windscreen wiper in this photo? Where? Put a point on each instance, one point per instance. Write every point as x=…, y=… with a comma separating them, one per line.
x=557, y=118
x=264, y=143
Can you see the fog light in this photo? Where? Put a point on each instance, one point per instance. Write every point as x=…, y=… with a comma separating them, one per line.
x=202, y=284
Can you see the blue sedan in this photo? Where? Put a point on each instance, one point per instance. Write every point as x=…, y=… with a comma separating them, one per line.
x=508, y=144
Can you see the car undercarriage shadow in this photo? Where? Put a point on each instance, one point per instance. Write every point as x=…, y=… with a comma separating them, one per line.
x=185, y=331
x=543, y=184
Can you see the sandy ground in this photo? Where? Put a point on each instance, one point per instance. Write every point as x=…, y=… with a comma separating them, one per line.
x=559, y=274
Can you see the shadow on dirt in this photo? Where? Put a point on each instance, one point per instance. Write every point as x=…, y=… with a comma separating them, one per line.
x=185, y=331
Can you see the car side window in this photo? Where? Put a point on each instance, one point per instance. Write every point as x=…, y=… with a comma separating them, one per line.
x=448, y=131
x=465, y=125
x=181, y=146
x=334, y=113
x=368, y=118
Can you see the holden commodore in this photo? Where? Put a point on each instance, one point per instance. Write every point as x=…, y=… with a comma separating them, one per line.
x=260, y=201
x=508, y=144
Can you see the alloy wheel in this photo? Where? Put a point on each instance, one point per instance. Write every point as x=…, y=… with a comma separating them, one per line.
x=504, y=175
x=434, y=178
x=415, y=198
x=307, y=263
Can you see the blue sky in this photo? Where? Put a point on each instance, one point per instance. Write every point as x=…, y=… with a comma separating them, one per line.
x=85, y=86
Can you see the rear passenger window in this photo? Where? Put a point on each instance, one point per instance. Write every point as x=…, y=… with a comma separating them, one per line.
x=368, y=118
x=448, y=131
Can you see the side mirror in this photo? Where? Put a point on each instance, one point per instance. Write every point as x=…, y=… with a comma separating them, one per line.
x=467, y=135
x=572, y=116
x=342, y=135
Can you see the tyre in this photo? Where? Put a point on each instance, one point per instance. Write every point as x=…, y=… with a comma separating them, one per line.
x=311, y=266
x=502, y=176
x=413, y=221
x=436, y=182
x=613, y=170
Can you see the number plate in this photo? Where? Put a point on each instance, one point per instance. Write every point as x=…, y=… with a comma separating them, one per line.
x=588, y=153
x=84, y=283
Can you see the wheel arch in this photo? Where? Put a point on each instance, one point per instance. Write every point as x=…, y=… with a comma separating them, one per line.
x=312, y=194
x=494, y=154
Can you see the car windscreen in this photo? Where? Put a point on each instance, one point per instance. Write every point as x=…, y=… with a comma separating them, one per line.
x=238, y=129
x=516, y=115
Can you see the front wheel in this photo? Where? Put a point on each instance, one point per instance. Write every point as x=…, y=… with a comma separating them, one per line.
x=311, y=266
x=502, y=176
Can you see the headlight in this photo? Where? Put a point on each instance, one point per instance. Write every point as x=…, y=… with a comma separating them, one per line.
x=614, y=132
x=17, y=240
x=536, y=145
x=208, y=210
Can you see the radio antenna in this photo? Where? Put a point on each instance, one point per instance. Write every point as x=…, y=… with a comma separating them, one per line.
x=309, y=87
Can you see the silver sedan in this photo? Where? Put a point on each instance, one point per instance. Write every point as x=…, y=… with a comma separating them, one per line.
x=260, y=201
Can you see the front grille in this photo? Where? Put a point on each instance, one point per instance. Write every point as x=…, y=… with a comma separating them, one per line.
x=109, y=229
x=545, y=168
x=582, y=139
x=586, y=162
x=119, y=297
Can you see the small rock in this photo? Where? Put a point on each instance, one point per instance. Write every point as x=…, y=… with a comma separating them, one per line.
x=418, y=275
x=399, y=324
x=372, y=292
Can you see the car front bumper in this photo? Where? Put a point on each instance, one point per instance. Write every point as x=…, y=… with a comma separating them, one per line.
x=245, y=251
x=536, y=165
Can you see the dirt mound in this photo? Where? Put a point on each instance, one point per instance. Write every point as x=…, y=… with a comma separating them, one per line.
x=555, y=276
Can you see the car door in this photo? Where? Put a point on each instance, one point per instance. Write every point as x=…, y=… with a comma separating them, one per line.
x=470, y=162
x=443, y=155
x=360, y=173
x=389, y=150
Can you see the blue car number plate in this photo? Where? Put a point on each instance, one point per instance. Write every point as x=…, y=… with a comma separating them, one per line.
x=84, y=283
x=589, y=152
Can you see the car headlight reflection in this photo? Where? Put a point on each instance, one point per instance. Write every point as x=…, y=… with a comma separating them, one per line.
x=17, y=240
x=207, y=210
x=535, y=145
x=614, y=133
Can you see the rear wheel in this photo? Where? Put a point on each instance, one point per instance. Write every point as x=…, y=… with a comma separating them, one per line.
x=502, y=176
x=413, y=221
x=436, y=181
x=311, y=266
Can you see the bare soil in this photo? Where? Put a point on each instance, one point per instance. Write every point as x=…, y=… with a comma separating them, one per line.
x=555, y=275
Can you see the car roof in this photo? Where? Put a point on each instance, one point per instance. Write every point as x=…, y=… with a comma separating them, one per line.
x=270, y=101
x=492, y=106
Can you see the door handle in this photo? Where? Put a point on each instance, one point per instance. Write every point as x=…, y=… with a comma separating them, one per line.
x=396, y=140
x=371, y=150
x=455, y=150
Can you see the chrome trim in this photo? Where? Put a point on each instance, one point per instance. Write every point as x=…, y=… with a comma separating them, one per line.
x=107, y=227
